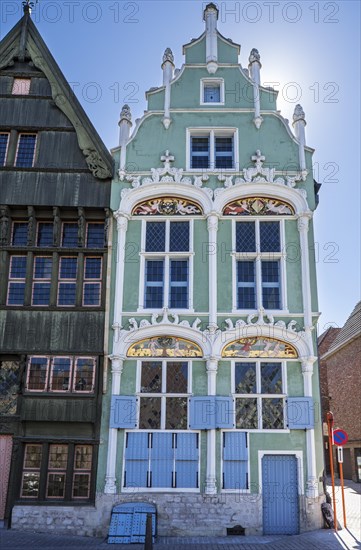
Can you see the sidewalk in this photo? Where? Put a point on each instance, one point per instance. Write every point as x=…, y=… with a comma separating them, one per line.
x=323, y=539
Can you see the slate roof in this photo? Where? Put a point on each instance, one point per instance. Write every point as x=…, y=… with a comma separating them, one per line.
x=350, y=331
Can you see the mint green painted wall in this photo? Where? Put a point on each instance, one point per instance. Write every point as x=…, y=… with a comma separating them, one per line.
x=224, y=378
x=328, y=255
x=227, y=53
x=293, y=267
x=156, y=100
x=129, y=374
x=224, y=267
x=293, y=441
x=143, y=152
x=196, y=53
x=294, y=379
x=201, y=269
x=132, y=266
x=199, y=378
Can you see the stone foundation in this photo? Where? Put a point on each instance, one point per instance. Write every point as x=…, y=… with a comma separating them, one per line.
x=178, y=514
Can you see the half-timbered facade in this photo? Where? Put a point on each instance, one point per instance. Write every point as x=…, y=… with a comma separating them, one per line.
x=55, y=176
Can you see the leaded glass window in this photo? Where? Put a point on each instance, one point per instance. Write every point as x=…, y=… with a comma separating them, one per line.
x=70, y=235
x=67, y=281
x=61, y=374
x=45, y=234
x=92, y=281
x=17, y=275
x=4, y=139
x=57, y=471
x=164, y=388
x=166, y=277
x=213, y=149
x=258, y=265
x=19, y=234
x=42, y=280
x=95, y=235
x=259, y=395
x=25, y=151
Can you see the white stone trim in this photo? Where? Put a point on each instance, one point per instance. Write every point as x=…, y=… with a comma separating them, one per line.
x=204, y=82
x=297, y=454
x=271, y=190
x=110, y=476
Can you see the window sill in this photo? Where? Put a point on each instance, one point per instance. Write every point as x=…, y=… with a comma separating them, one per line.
x=274, y=312
x=161, y=490
x=170, y=311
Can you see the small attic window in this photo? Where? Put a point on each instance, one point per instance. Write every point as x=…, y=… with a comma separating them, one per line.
x=212, y=91
x=21, y=86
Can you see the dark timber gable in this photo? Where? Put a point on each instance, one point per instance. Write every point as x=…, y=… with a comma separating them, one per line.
x=55, y=175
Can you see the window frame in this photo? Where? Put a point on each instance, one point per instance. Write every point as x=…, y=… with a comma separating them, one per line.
x=18, y=145
x=26, y=88
x=258, y=395
x=258, y=257
x=216, y=81
x=163, y=395
x=16, y=280
x=166, y=256
x=98, y=280
x=72, y=375
x=6, y=148
x=69, y=472
x=48, y=280
x=212, y=132
x=64, y=281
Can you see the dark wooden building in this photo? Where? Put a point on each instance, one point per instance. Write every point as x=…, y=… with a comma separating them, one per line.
x=55, y=175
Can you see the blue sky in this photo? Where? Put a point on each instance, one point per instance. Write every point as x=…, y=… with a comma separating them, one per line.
x=111, y=52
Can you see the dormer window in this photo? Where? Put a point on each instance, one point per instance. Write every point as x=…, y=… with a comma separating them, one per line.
x=21, y=86
x=212, y=91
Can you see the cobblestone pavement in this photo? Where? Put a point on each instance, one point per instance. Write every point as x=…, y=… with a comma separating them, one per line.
x=323, y=539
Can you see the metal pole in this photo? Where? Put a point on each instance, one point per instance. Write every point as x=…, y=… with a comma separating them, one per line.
x=329, y=417
x=343, y=495
x=148, y=533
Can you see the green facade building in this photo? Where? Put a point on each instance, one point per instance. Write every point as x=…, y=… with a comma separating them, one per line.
x=212, y=405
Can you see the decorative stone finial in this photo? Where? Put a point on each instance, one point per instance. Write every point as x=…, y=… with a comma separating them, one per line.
x=168, y=56
x=125, y=114
x=254, y=56
x=210, y=7
x=298, y=114
x=28, y=6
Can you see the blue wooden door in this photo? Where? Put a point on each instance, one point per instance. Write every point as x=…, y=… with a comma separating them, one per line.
x=280, y=495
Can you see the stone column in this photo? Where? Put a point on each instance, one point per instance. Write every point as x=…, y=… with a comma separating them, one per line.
x=299, y=124
x=312, y=483
x=255, y=73
x=168, y=68
x=122, y=226
x=110, y=477
x=212, y=225
x=125, y=124
x=211, y=480
x=303, y=225
x=210, y=16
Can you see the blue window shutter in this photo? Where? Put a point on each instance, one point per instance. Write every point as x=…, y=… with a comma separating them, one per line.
x=186, y=446
x=300, y=413
x=202, y=412
x=123, y=412
x=235, y=474
x=235, y=446
x=186, y=456
x=136, y=460
x=235, y=460
x=162, y=458
x=224, y=412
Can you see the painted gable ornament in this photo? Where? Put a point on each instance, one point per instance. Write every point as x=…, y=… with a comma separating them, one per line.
x=167, y=206
x=164, y=346
x=259, y=347
x=258, y=206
